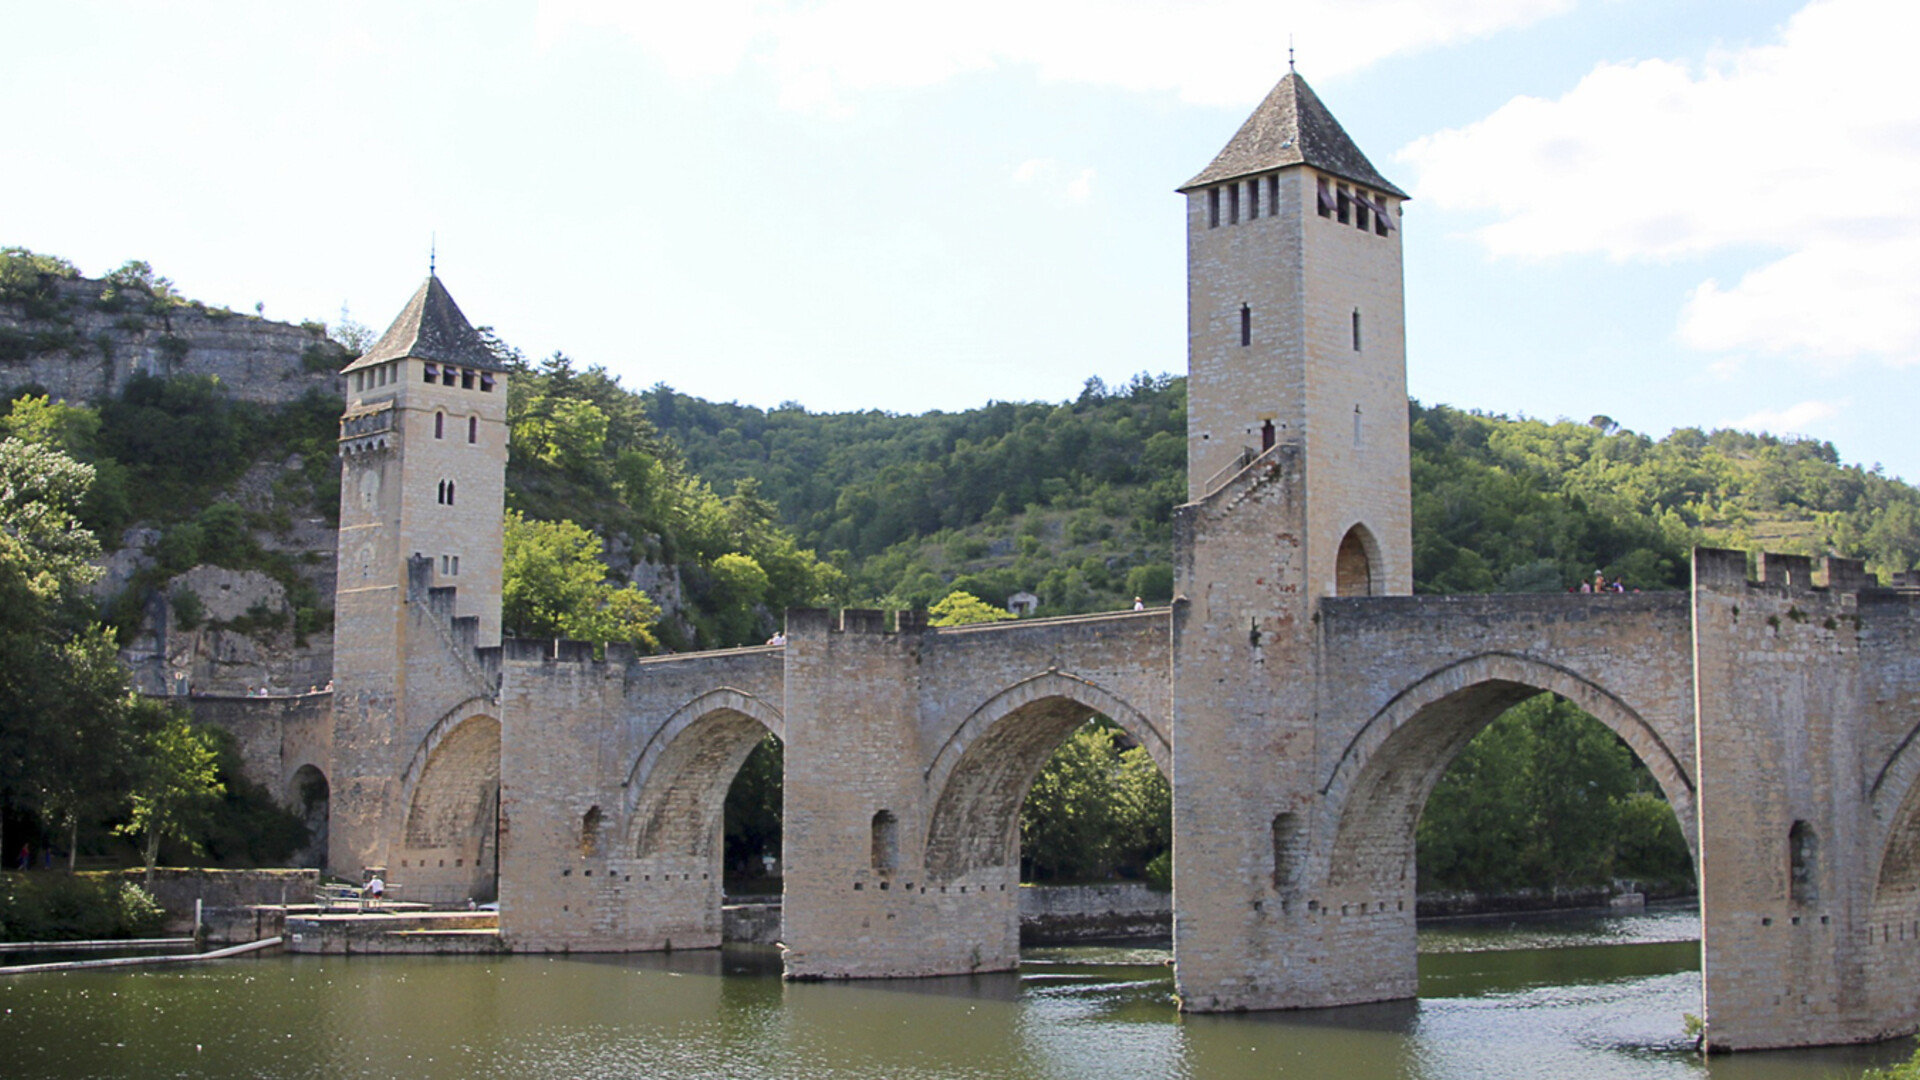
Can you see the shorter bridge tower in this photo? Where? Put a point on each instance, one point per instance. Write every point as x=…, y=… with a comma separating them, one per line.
x=423, y=446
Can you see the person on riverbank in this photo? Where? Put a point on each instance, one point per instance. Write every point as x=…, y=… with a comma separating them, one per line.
x=376, y=888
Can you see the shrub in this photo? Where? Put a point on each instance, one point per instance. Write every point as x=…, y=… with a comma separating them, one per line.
x=74, y=907
x=189, y=611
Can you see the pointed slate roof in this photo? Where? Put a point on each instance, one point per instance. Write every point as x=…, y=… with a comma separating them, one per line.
x=1292, y=127
x=431, y=327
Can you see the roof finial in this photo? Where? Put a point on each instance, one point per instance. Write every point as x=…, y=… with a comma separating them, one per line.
x=1289, y=52
x=433, y=251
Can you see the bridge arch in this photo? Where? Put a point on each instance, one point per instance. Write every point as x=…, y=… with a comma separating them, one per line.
x=1377, y=789
x=980, y=775
x=310, y=796
x=414, y=775
x=676, y=790
x=449, y=847
x=1895, y=802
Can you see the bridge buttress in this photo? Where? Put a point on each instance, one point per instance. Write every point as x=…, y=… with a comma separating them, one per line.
x=1810, y=928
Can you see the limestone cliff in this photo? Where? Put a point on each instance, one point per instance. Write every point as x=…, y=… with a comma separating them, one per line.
x=81, y=340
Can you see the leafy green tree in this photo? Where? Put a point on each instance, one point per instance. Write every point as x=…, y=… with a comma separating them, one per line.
x=70, y=429
x=753, y=811
x=1067, y=827
x=1097, y=809
x=738, y=589
x=959, y=608
x=61, y=688
x=1547, y=796
x=555, y=586
x=175, y=782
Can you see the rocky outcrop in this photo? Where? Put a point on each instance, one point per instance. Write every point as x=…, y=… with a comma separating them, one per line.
x=82, y=341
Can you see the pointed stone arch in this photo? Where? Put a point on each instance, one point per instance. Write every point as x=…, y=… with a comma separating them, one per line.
x=677, y=787
x=454, y=787
x=1894, y=800
x=437, y=734
x=1376, y=790
x=980, y=776
x=310, y=795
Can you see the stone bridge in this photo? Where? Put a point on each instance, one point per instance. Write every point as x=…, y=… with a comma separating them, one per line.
x=1779, y=717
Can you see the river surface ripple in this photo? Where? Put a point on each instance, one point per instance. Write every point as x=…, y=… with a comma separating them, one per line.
x=1560, y=996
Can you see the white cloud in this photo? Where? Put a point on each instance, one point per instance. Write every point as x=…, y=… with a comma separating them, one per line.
x=824, y=53
x=1807, y=147
x=1794, y=419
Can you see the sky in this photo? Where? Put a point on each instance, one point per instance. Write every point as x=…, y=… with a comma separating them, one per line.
x=1672, y=213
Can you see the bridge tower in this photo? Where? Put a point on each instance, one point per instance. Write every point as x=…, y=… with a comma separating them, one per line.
x=423, y=446
x=1296, y=335
x=1298, y=494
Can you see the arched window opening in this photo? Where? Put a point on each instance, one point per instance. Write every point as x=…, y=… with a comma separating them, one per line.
x=1803, y=847
x=439, y=425
x=1266, y=435
x=886, y=842
x=590, y=835
x=1352, y=569
x=449, y=493
x=1356, y=329
x=473, y=429
x=1246, y=326
x=1289, y=848
x=440, y=494
x=312, y=799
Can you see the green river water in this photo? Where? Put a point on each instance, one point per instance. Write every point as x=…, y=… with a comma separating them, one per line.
x=1561, y=997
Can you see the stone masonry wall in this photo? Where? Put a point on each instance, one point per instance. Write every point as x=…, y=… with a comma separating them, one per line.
x=614, y=773
x=1800, y=694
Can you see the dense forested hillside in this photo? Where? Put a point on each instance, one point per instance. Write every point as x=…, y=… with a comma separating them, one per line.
x=1073, y=500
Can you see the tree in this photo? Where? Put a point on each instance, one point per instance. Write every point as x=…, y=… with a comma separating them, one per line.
x=1547, y=796
x=61, y=688
x=739, y=588
x=961, y=608
x=175, y=782
x=1096, y=809
x=555, y=586
x=753, y=810
x=1067, y=821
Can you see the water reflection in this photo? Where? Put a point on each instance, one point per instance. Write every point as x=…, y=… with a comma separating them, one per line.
x=1612, y=1011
